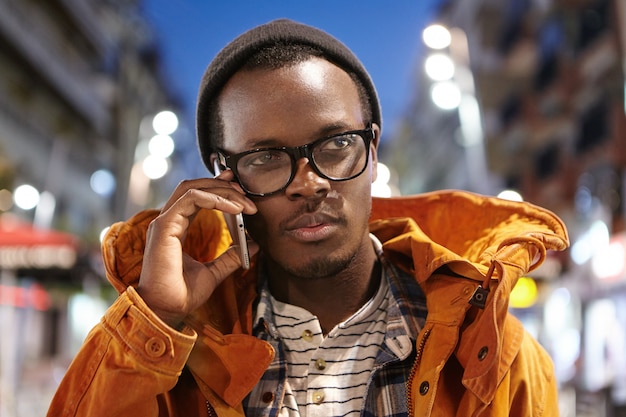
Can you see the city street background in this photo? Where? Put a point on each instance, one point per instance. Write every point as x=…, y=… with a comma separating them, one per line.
x=522, y=99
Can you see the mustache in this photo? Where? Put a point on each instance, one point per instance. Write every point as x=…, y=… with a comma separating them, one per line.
x=310, y=216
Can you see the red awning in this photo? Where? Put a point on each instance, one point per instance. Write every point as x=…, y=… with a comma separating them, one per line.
x=24, y=246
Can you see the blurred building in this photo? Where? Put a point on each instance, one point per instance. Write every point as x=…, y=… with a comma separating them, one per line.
x=540, y=109
x=549, y=78
x=77, y=78
x=80, y=83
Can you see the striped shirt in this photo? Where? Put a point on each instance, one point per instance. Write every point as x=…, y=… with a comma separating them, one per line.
x=327, y=376
x=360, y=368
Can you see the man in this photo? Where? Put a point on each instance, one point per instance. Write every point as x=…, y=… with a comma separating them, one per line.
x=388, y=307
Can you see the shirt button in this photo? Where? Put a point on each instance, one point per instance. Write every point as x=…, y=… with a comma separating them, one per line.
x=155, y=347
x=307, y=335
x=320, y=364
x=318, y=397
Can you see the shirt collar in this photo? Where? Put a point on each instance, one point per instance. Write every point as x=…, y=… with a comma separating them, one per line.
x=407, y=307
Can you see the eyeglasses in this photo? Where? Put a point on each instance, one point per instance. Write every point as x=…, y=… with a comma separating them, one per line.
x=265, y=171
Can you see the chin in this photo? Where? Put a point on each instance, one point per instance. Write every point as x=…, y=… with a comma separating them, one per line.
x=318, y=267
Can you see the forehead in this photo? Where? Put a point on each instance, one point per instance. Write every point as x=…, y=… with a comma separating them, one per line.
x=289, y=105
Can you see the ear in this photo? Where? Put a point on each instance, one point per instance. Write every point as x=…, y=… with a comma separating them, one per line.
x=374, y=151
x=214, y=167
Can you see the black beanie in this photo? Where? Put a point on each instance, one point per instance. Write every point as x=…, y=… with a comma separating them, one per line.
x=232, y=57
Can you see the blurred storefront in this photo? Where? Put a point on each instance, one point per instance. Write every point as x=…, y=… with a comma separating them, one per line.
x=30, y=322
x=50, y=297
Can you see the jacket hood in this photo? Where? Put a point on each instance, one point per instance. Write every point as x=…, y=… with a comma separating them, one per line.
x=465, y=231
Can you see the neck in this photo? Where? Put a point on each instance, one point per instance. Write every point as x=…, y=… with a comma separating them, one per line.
x=332, y=299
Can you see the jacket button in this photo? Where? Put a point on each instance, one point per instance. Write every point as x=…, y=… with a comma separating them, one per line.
x=482, y=353
x=424, y=387
x=267, y=397
x=155, y=347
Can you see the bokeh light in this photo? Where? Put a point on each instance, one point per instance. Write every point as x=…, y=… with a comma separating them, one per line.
x=436, y=37
x=26, y=197
x=102, y=182
x=165, y=123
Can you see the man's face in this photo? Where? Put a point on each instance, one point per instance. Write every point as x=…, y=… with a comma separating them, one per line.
x=315, y=227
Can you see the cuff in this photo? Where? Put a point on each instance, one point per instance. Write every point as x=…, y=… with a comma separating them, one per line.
x=149, y=340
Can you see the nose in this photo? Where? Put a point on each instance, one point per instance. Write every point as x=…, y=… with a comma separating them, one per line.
x=306, y=182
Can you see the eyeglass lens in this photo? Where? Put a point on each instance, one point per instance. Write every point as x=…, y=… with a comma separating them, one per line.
x=337, y=158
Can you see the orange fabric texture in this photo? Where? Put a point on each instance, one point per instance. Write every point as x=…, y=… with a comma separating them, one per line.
x=476, y=362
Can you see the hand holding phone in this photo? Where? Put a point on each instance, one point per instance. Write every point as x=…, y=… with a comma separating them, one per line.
x=237, y=229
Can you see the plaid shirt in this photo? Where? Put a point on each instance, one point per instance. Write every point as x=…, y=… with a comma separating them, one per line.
x=386, y=391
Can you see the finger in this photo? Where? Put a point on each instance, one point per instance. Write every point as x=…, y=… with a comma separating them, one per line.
x=187, y=185
x=221, y=198
x=228, y=262
x=228, y=200
x=207, y=184
x=174, y=221
x=213, y=273
x=229, y=176
x=226, y=175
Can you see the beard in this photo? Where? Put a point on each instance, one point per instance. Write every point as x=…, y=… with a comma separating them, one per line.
x=317, y=268
x=303, y=263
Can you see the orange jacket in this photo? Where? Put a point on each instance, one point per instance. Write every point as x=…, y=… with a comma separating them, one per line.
x=471, y=361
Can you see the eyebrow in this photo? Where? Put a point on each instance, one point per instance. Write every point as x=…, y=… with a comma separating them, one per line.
x=328, y=130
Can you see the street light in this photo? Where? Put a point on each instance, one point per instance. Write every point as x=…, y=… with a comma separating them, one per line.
x=26, y=197
x=453, y=89
x=380, y=187
x=446, y=95
x=437, y=37
x=165, y=122
x=161, y=146
x=151, y=156
x=154, y=167
x=439, y=67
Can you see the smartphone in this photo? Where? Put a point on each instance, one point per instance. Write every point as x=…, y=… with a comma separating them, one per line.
x=237, y=229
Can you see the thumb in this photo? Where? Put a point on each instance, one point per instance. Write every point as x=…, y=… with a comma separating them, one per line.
x=228, y=262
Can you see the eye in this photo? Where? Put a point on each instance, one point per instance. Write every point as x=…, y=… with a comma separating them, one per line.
x=267, y=158
x=341, y=142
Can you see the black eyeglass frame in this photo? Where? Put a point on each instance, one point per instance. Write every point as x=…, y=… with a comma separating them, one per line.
x=296, y=153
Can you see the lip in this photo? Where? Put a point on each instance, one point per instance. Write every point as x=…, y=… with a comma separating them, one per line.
x=312, y=227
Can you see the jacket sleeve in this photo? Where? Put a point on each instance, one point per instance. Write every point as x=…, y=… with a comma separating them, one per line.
x=534, y=387
x=126, y=361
